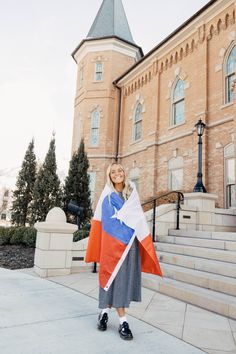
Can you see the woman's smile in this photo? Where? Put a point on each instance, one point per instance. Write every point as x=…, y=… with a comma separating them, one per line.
x=117, y=174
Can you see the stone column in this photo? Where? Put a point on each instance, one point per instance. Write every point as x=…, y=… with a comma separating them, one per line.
x=53, y=253
x=205, y=209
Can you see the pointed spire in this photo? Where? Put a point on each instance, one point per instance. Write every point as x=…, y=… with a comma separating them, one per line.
x=111, y=21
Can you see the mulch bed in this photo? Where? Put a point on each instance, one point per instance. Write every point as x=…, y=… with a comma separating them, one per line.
x=16, y=257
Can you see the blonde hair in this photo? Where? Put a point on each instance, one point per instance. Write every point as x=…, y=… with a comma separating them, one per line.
x=127, y=189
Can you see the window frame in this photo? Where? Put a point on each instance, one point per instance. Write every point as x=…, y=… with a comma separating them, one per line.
x=175, y=101
x=137, y=122
x=98, y=74
x=95, y=128
x=229, y=184
x=228, y=76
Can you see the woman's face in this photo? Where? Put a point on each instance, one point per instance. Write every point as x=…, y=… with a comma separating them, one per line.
x=117, y=174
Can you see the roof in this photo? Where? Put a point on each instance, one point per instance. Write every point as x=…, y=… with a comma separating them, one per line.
x=179, y=29
x=111, y=21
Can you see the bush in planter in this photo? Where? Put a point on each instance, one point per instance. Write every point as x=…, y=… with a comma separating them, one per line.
x=17, y=235
x=29, y=238
x=81, y=233
x=5, y=234
x=4, y=239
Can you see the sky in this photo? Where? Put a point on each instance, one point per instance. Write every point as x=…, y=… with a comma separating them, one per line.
x=38, y=74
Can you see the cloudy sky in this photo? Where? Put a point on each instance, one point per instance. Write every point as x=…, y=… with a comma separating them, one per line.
x=38, y=74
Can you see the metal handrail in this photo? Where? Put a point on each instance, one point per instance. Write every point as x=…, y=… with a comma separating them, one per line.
x=180, y=198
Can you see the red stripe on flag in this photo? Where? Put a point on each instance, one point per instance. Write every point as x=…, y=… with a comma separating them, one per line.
x=94, y=243
x=111, y=251
x=150, y=263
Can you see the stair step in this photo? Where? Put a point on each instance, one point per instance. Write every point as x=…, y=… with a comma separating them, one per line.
x=206, y=280
x=216, y=235
x=207, y=265
x=208, y=299
x=220, y=255
x=199, y=242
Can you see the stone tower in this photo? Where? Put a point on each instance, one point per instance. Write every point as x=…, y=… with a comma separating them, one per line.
x=106, y=53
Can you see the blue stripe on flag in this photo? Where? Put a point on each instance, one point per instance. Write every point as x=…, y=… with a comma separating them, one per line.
x=112, y=226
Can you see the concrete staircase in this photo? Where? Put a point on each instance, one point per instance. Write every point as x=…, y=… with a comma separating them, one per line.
x=199, y=268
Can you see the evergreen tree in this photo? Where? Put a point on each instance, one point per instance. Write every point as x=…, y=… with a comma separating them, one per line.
x=77, y=185
x=23, y=194
x=47, y=191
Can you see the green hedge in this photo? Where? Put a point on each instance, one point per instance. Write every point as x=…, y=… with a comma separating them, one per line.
x=18, y=236
x=21, y=235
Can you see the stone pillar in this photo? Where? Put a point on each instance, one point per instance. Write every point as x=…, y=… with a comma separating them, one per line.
x=53, y=253
x=205, y=209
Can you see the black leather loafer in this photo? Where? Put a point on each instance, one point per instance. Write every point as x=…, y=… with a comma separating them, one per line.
x=125, y=332
x=102, y=322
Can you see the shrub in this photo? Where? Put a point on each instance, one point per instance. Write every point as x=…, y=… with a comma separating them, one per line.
x=81, y=233
x=17, y=236
x=9, y=233
x=29, y=238
x=4, y=238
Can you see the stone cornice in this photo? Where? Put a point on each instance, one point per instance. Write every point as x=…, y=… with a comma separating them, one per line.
x=183, y=43
x=100, y=156
x=108, y=44
x=220, y=121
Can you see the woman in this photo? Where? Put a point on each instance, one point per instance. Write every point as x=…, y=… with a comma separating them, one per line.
x=120, y=241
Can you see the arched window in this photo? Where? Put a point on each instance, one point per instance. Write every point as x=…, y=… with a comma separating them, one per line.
x=230, y=75
x=95, y=123
x=137, y=130
x=178, y=103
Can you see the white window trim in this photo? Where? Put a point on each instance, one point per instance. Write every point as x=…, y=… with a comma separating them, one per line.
x=98, y=128
x=135, y=123
x=98, y=72
x=225, y=76
x=173, y=103
x=227, y=155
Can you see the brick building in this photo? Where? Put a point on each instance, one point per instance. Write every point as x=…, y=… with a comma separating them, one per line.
x=142, y=110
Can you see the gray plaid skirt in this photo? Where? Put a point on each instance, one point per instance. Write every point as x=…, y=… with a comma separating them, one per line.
x=126, y=286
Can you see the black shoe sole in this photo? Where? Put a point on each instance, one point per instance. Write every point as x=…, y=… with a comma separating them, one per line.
x=101, y=329
x=126, y=338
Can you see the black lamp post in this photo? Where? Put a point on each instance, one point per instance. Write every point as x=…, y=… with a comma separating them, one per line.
x=199, y=187
x=76, y=210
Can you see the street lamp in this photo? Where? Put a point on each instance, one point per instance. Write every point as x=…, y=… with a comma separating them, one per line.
x=76, y=210
x=199, y=187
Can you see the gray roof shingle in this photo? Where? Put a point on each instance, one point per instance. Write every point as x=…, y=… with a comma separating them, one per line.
x=111, y=21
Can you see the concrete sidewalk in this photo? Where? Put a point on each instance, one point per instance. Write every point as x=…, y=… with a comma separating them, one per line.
x=38, y=316
x=212, y=333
